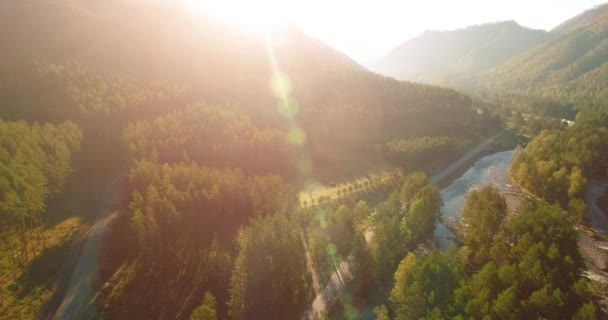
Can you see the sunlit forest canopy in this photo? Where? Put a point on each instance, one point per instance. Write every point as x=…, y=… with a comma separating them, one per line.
x=160, y=161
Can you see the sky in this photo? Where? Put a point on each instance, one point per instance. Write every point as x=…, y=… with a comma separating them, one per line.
x=368, y=29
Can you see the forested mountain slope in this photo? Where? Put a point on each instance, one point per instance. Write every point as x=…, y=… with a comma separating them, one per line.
x=572, y=65
x=582, y=20
x=216, y=127
x=435, y=55
x=169, y=59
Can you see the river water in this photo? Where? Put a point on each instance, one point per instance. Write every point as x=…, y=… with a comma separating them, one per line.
x=492, y=169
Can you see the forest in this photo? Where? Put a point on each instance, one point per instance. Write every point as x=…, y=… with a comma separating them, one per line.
x=211, y=169
x=35, y=162
x=182, y=164
x=569, y=66
x=524, y=266
x=414, y=151
x=557, y=163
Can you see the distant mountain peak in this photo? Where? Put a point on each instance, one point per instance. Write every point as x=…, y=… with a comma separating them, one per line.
x=433, y=55
x=573, y=65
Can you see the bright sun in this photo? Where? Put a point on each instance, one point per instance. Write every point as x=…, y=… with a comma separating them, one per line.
x=255, y=15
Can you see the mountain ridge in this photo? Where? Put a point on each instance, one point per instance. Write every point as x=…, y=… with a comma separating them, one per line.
x=434, y=55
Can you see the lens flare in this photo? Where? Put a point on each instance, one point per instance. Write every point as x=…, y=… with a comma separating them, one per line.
x=296, y=136
x=288, y=108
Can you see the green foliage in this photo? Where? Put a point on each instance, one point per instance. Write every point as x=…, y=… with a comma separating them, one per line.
x=92, y=94
x=531, y=269
x=593, y=115
x=390, y=242
x=570, y=66
x=169, y=199
x=335, y=235
x=183, y=219
x=423, y=213
x=556, y=163
x=206, y=311
x=403, y=222
x=212, y=136
x=270, y=278
x=72, y=91
x=381, y=313
x=482, y=216
x=34, y=163
x=412, y=184
x=582, y=20
x=413, y=152
x=424, y=286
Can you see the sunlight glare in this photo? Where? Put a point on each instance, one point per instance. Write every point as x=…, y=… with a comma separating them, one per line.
x=259, y=15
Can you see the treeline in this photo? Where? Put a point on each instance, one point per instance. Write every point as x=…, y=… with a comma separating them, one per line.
x=545, y=107
x=176, y=237
x=557, y=163
x=342, y=109
x=213, y=136
x=176, y=240
x=100, y=104
x=533, y=125
x=333, y=235
x=34, y=163
x=415, y=151
x=71, y=91
x=401, y=224
x=526, y=266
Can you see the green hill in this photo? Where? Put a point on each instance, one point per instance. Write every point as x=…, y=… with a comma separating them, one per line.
x=435, y=55
x=582, y=20
x=572, y=65
x=344, y=109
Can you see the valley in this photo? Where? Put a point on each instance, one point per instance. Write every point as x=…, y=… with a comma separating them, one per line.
x=212, y=160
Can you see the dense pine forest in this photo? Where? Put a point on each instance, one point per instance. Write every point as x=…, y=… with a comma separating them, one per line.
x=155, y=164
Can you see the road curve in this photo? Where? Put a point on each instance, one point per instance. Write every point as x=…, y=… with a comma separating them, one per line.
x=78, y=295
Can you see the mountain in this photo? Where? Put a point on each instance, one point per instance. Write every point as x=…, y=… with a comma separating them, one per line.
x=434, y=55
x=572, y=65
x=582, y=20
x=344, y=109
x=212, y=122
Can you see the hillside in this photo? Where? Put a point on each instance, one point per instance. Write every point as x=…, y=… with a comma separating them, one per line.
x=435, y=55
x=573, y=65
x=217, y=128
x=338, y=102
x=582, y=20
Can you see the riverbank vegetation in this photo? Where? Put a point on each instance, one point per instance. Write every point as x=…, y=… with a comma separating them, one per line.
x=525, y=266
x=556, y=164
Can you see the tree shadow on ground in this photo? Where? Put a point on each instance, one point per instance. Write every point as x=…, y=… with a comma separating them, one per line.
x=43, y=270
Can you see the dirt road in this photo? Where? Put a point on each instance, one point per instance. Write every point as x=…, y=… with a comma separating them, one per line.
x=76, y=297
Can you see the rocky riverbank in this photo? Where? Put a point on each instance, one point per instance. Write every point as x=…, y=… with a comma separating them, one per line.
x=595, y=249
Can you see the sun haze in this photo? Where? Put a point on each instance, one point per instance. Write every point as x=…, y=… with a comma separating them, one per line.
x=366, y=30
x=258, y=16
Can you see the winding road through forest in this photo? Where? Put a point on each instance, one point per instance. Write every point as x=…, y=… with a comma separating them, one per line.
x=75, y=298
